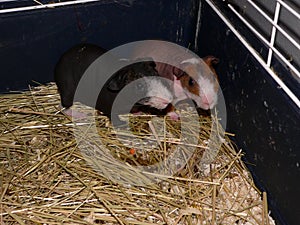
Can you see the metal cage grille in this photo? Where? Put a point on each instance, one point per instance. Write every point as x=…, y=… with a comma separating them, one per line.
x=277, y=24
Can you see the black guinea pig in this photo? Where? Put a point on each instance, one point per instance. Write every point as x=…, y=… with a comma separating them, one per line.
x=75, y=61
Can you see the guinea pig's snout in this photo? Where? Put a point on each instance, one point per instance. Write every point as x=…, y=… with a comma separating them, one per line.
x=208, y=101
x=205, y=103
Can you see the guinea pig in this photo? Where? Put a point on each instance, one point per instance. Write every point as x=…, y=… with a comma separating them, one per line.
x=150, y=89
x=198, y=79
x=70, y=68
x=74, y=62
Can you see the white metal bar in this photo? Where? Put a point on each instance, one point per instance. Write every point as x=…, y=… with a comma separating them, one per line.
x=292, y=40
x=256, y=55
x=8, y=1
x=286, y=61
x=46, y=6
x=273, y=34
x=290, y=9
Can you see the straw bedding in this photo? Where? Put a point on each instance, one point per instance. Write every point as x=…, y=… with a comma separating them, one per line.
x=52, y=174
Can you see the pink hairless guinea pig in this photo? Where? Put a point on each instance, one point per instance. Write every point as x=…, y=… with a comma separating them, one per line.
x=198, y=81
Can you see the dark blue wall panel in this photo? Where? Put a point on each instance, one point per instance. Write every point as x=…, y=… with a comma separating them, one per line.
x=265, y=121
x=32, y=41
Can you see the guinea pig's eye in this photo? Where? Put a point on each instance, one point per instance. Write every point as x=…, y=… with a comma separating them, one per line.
x=192, y=82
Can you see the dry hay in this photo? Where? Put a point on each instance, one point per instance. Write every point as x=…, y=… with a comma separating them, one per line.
x=45, y=178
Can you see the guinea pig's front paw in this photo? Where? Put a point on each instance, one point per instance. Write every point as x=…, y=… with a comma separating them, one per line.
x=74, y=113
x=173, y=116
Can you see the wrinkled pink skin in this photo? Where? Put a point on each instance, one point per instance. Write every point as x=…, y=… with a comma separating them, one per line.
x=73, y=113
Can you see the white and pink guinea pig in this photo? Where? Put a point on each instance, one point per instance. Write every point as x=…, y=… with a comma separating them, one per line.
x=196, y=79
x=200, y=81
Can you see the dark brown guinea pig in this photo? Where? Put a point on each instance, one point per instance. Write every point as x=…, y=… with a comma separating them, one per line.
x=70, y=68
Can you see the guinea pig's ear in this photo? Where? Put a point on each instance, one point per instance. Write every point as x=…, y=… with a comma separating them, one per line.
x=117, y=81
x=188, y=66
x=211, y=60
x=178, y=72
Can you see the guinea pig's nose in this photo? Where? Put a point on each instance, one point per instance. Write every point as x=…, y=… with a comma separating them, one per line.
x=205, y=102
